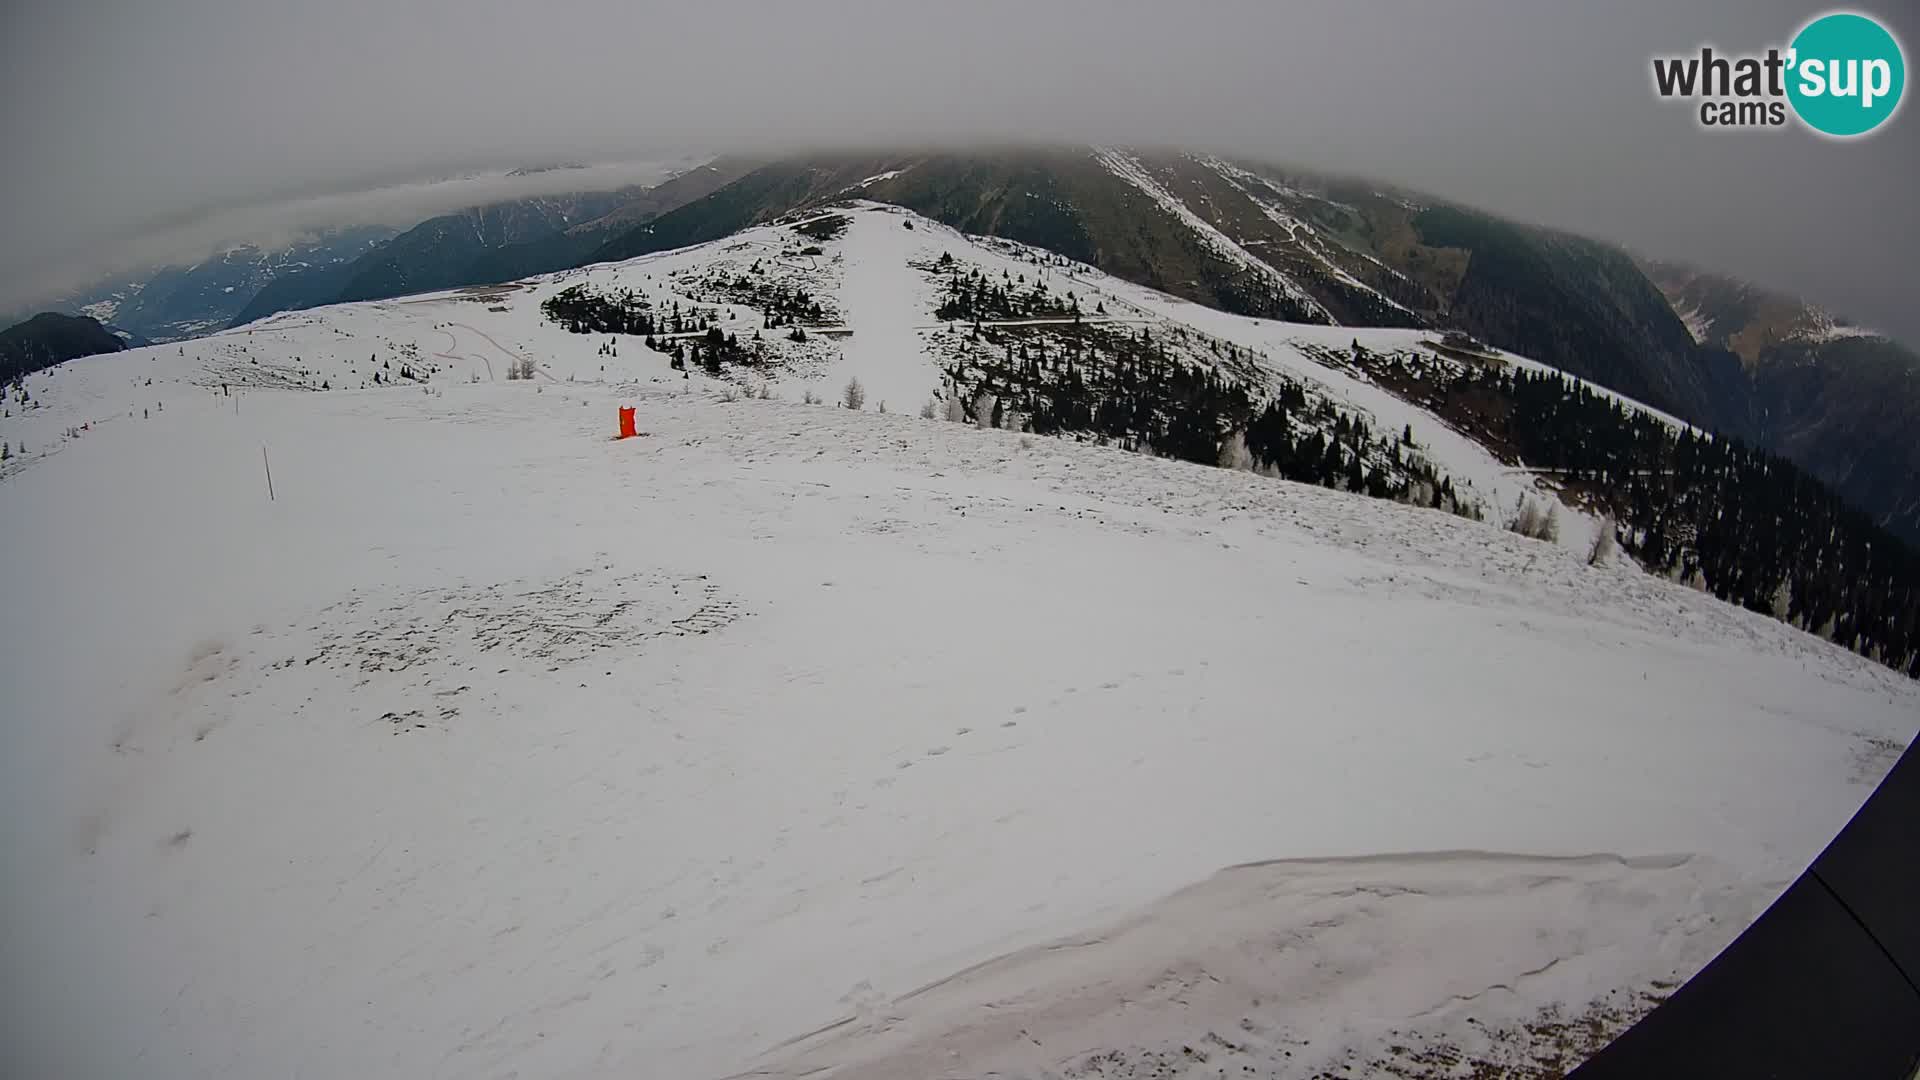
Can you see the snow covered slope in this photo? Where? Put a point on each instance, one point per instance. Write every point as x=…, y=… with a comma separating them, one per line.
x=490, y=745
x=880, y=281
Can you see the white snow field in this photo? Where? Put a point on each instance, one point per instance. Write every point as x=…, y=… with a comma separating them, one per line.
x=786, y=740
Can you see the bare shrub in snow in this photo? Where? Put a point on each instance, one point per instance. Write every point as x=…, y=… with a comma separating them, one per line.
x=729, y=394
x=883, y=407
x=926, y=411
x=853, y=395
x=983, y=404
x=1603, y=544
x=1234, y=453
x=1535, y=520
x=1526, y=518
x=956, y=412
x=810, y=398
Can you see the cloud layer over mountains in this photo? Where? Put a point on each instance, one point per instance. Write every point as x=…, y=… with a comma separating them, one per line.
x=143, y=130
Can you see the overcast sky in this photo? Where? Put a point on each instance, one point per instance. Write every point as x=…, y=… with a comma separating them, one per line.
x=127, y=119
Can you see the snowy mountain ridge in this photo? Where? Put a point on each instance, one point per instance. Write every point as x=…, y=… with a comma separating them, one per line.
x=897, y=346
x=993, y=331
x=176, y=302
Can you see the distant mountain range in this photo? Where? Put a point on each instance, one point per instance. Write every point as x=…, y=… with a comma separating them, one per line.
x=179, y=302
x=1259, y=240
x=1838, y=399
x=1271, y=241
x=876, y=305
x=496, y=242
x=486, y=244
x=1246, y=237
x=51, y=338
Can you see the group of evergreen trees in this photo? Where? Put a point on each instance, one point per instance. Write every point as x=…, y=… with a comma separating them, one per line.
x=1315, y=443
x=712, y=352
x=1110, y=385
x=789, y=307
x=583, y=311
x=780, y=305
x=973, y=296
x=689, y=337
x=1127, y=388
x=827, y=227
x=1749, y=527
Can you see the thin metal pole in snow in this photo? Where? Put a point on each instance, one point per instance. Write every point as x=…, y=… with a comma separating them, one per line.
x=269, y=467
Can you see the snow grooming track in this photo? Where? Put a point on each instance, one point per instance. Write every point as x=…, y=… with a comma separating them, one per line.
x=448, y=354
x=1288, y=968
x=885, y=302
x=488, y=338
x=564, y=621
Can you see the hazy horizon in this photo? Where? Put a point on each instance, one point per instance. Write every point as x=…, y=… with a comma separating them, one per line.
x=215, y=122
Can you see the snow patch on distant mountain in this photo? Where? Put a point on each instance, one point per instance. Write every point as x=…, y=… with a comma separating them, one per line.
x=1698, y=323
x=102, y=310
x=1128, y=168
x=1250, y=185
x=1821, y=326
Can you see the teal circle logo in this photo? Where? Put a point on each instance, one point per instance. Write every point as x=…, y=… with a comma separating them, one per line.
x=1846, y=75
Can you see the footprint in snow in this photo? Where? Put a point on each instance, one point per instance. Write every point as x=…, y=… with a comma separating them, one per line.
x=937, y=751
